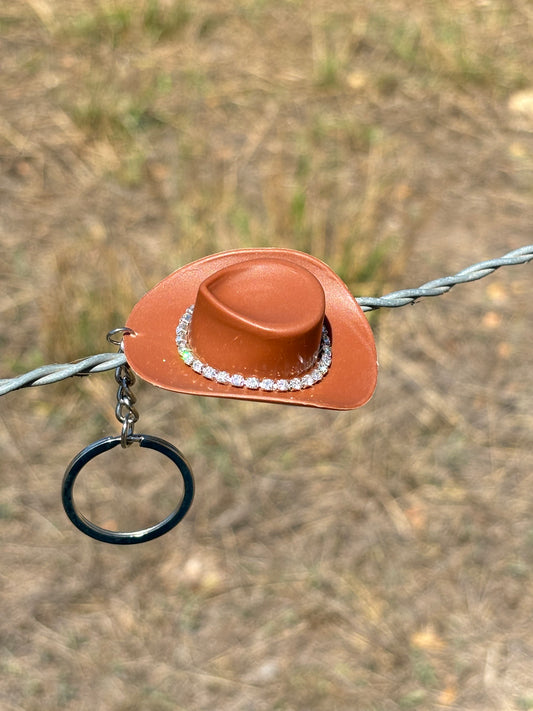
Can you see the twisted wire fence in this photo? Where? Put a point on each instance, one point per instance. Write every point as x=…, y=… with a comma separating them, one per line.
x=47, y=374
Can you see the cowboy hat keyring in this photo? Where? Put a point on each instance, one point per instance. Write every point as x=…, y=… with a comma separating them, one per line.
x=273, y=325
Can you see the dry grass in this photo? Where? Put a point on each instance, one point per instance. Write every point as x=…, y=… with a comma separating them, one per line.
x=374, y=560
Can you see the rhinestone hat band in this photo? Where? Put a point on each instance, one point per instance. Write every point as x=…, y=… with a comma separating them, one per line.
x=237, y=380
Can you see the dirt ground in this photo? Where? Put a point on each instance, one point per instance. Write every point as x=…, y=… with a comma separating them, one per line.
x=374, y=560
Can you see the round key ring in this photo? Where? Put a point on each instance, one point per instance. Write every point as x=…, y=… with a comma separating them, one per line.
x=126, y=537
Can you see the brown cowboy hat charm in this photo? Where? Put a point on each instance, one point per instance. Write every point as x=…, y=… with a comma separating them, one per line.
x=255, y=324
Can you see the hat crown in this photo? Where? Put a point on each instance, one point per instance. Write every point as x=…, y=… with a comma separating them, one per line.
x=259, y=317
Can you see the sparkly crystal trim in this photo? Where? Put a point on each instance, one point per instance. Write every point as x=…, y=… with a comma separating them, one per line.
x=236, y=380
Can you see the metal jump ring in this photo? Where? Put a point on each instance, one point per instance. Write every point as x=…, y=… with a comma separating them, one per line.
x=126, y=537
x=123, y=330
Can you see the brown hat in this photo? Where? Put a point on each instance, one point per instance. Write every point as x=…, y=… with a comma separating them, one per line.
x=255, y=324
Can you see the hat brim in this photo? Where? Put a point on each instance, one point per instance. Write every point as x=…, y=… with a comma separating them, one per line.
x=152, y=353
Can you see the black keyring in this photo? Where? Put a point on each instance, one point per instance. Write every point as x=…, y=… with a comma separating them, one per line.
x=126, y=537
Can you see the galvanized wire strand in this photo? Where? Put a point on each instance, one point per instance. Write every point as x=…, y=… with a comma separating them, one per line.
x=47, y=374
x=436, y=287
x=53, y=373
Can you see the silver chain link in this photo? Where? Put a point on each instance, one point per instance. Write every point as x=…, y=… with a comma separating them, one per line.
x=125, y=410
